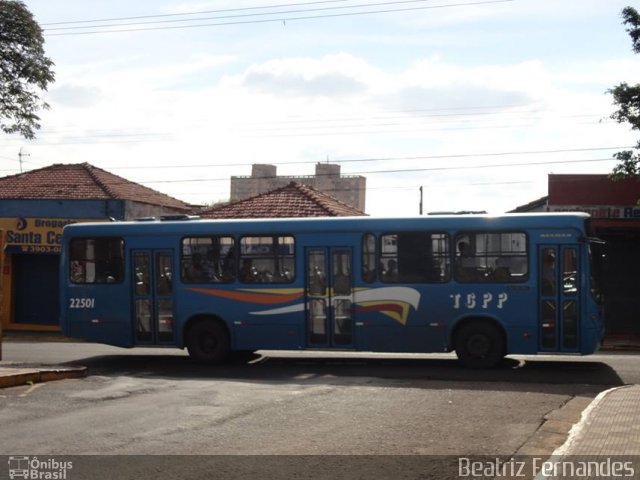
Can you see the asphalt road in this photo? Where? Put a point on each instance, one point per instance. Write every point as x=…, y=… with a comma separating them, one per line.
x=159, y=402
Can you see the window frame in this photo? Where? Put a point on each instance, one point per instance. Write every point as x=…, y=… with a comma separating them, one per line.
x=104, y=279
x=446, y=256
x=372, y=275
x=276, y=256
x=491, y=276
x=183, y=259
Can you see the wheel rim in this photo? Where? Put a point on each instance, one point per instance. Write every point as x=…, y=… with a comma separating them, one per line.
x=478, y=345
x=208, y=343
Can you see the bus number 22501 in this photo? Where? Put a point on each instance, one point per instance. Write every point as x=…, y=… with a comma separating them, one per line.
x=82, y=302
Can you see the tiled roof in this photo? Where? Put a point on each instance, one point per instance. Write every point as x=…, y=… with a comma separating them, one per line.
x=535, y=206
x=81, y=181
x=293, y=200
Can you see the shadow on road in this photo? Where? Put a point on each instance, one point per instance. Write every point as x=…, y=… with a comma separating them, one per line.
x=529, y=374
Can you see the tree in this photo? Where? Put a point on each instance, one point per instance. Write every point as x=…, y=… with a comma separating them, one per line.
x=25, y=71
x=627, y=98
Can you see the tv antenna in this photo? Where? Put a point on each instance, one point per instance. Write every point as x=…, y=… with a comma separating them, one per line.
x=20, y=155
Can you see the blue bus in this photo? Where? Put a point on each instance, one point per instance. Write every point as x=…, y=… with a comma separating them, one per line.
x=482, y=286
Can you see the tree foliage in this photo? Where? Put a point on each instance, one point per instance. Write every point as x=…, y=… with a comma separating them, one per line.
x=25, y=70
x=632, y=21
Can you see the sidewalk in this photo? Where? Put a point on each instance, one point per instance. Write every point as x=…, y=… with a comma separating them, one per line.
x=12, y=375
x=609, y=426
x=605, y=443
x=629, y=343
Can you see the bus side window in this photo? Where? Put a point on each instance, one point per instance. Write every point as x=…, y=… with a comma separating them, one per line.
x=369, y=271
x=415, y=257
x=549, y=275
x=96, y=260
x=489, y=257
x=570, y=271
x=267, y=259
x=207, y=259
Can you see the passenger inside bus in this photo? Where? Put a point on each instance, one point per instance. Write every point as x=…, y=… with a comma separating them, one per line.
x=549, y=273
x=248, y=273
x=195, y=272
x=390, y=274
x=466, y=268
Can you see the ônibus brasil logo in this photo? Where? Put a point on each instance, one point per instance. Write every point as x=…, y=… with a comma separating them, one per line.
x=33, y=468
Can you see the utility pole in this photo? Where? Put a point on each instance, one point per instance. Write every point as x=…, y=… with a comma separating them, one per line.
x=20, y=155
x=420, y=200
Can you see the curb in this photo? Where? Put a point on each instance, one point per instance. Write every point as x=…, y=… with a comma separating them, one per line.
x=13, y=377
x=584, y=419
x=555, y=428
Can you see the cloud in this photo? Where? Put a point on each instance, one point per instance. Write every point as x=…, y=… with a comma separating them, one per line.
x=296, y=95
x=327, y=85
x=75, y=96
x=329, y=76
x=461, y=96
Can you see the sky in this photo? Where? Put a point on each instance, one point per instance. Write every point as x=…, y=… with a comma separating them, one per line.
x=475, y=101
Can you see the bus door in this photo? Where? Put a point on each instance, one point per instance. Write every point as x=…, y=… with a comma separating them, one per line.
x=153, y=297
x=329, y=297
x=559, y=286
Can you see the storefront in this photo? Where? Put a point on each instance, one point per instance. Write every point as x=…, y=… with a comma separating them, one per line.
x=615, y=210
x=34, y=208
x=30, y=272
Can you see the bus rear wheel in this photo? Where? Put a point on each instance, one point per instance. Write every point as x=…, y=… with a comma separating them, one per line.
x=208, y=341
x=479, y=345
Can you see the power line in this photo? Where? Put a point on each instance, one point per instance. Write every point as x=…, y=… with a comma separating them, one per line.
x=406, y=170
x=388, y=159
x=491, y=154
x=377, y=159
x=392, y=114
x=404, y=130
x=308, y=131
x=388, y=171
x=371, y=159
x=279, y=20
x=190, y=13
x=502, y=109
x=409, y=120
x=245, y=15
x=439, y=185
x=409, y=115
x=422, y=110
x=406, y=117
x=473, y=167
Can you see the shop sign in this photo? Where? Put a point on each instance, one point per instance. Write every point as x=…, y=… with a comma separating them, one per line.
x=33, y=235
x=601, y=211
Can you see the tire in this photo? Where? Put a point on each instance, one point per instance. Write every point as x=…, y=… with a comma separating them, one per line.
x=243, y=356
x=479, y=345
x=208, y=341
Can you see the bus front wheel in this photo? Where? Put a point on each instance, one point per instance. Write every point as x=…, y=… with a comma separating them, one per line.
x=479, y=345
x=208, y=341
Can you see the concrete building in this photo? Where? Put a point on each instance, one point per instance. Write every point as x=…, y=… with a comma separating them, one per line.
x=349, y=189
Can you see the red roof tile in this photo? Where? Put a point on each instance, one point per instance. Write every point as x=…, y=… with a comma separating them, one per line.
x=293, y=200
x=81, y=181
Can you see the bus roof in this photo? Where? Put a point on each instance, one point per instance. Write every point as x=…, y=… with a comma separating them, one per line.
x=196, y=226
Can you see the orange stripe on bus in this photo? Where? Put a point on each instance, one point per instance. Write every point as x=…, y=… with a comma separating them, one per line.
x=262, y=298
